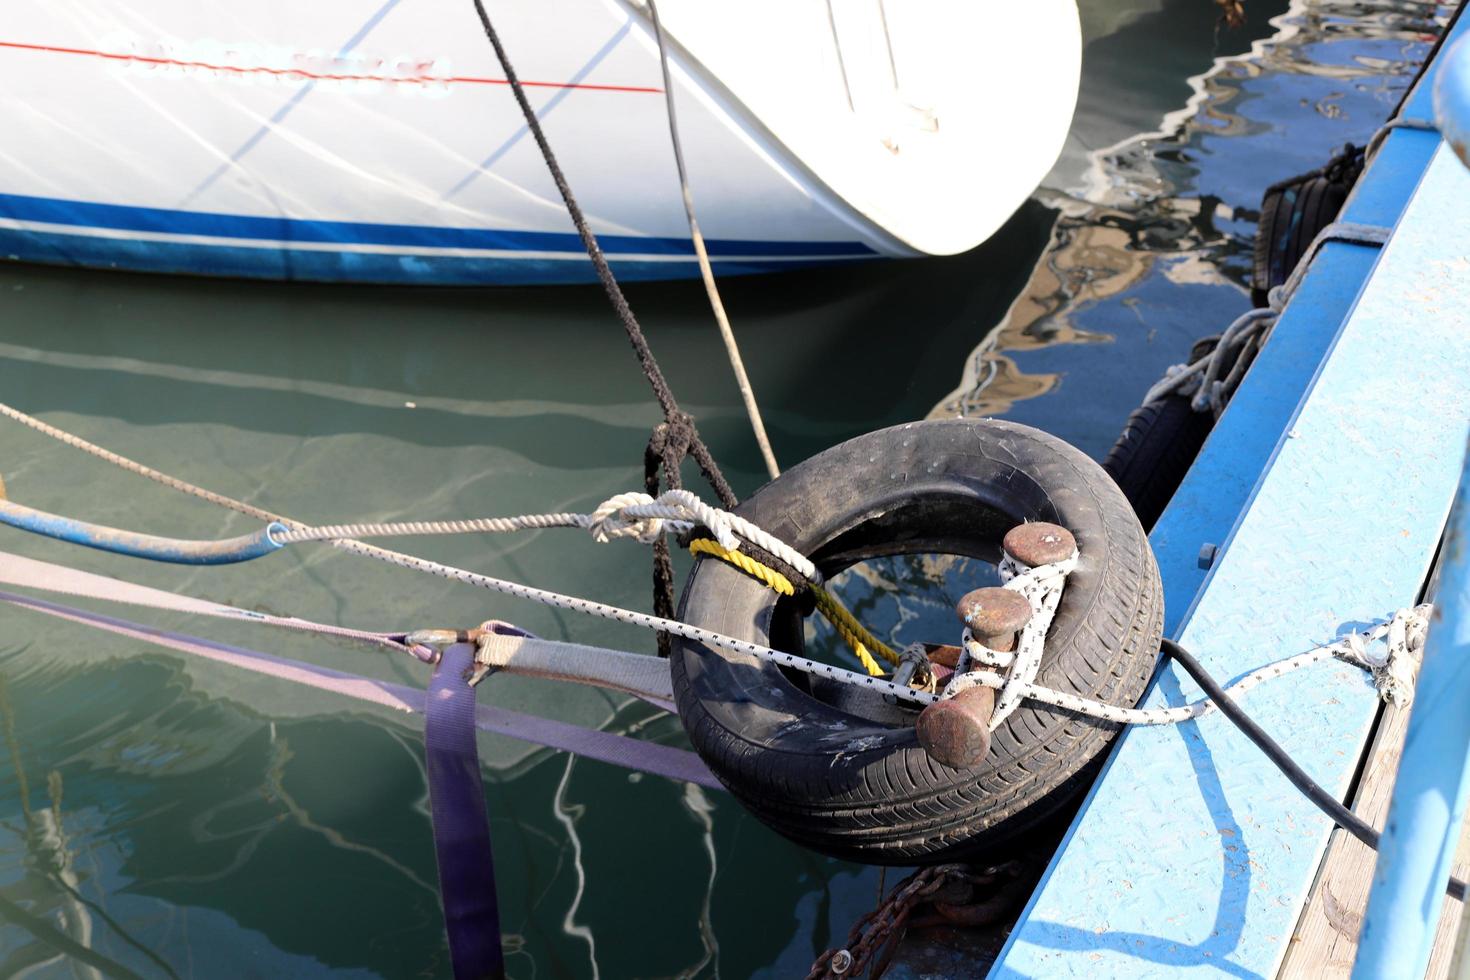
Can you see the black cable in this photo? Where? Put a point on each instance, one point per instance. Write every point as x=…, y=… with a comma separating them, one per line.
x=677, y=436
x=1323, y=800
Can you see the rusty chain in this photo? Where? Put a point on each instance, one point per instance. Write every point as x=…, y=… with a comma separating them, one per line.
x=949, y=888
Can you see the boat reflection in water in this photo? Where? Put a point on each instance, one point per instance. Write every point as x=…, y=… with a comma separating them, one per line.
x=1151, y=248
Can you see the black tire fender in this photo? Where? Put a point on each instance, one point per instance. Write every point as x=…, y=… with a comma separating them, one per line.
x=1291, y=218
x=1158, y=444
x=859, y=789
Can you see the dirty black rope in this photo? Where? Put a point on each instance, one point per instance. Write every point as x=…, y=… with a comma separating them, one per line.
x=1323, y=800
x=677, y=436
x=651, y=370
x=671, y=439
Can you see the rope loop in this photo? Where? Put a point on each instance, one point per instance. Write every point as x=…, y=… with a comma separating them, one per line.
x=610, y=519
x=1210, y=381
x=1042, y=587
x=686, y=508
x=980, y=653
x=1395, y=668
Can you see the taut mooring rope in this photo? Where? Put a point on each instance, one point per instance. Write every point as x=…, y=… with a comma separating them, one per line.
x=677, y=436
x=1401, y=634
x=732, y=349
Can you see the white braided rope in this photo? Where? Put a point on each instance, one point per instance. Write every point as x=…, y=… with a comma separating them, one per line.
x=1042, y=587
x=1393, y=671
x=625, y=515
x=1393, y=674
x=672, y=626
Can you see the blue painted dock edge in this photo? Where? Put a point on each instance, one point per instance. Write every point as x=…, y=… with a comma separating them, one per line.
x=1325, y=487
x=1432, y=784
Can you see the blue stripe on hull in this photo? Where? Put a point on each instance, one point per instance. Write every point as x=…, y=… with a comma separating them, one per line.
x=360, y=267
x=120, y=217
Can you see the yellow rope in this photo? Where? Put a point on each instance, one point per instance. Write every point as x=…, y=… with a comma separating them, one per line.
x=854, y=632
x=845, y=623
x=769, y=576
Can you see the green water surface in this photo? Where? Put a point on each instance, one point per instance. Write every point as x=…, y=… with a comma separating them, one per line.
x=160, y=817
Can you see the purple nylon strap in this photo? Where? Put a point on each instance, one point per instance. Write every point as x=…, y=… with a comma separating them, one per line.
x=589, y=743
x=461, y=823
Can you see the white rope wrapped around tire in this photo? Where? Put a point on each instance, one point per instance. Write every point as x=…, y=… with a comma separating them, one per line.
x=1042, y=587
x=1393, y=669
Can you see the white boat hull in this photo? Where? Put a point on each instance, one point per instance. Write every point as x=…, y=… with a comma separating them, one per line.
x=377, y=140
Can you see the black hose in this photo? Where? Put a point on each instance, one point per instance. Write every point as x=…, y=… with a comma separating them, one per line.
x=1323, y=800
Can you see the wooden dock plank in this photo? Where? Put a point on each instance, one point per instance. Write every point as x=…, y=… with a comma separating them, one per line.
x=1326, y=938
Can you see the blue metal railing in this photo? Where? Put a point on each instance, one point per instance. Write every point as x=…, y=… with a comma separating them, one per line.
x=1452, y=98
x=1418, y=843
x=1417, y=848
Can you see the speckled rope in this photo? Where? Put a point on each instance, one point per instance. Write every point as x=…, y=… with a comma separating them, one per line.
x=1393, y=674
x=625, y=515
x=1402, y=635
x=1042, y=587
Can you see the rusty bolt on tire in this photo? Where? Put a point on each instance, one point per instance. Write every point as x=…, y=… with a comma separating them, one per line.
x=1039, y=543
x=956, y=731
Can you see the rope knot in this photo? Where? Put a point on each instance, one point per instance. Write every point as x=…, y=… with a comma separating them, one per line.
x=611, y=520
x=687, y=507
x=1395, y=669
x=1395, y=675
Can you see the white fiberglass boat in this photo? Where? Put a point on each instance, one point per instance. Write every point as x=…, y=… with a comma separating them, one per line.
x=377, y=140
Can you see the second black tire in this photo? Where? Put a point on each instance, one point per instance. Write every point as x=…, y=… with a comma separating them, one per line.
x=1291, y=217
x=1158, y=445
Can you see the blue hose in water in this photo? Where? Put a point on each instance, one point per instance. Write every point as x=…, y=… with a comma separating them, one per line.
x=175, y=550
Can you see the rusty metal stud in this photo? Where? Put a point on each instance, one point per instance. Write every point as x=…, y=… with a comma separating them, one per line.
x=956, y=731
x=1039, y=543
x=994, y=615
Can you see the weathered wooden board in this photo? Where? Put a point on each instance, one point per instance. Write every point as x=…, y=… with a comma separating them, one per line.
x=1326, y=938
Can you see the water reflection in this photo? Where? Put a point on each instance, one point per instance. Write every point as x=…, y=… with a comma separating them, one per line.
x=1152, y=244
x=162, y=817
